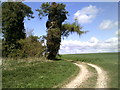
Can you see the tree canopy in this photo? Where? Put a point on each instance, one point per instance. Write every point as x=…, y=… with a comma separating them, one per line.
x=14, y=36
x=13, y=14
x=56, y=14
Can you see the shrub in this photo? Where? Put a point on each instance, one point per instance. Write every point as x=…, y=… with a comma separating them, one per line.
x=29, y=47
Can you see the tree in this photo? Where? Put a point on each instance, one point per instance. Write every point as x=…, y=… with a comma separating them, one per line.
x=56, y=14
x=13, y=14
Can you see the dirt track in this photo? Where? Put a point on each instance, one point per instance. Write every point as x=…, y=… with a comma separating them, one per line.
x=102, y=77
x=83, y=75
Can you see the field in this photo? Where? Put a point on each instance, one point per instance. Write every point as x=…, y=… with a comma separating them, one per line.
x=108, y=61
x=42, y=73
x=36, y=73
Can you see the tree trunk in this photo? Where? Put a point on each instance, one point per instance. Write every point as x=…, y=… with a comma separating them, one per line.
x=53, y=42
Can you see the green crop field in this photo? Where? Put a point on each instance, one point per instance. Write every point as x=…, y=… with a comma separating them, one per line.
x=108, y=61
x=36, y=73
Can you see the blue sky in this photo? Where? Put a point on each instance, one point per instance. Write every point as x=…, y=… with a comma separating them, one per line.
x=99, y=18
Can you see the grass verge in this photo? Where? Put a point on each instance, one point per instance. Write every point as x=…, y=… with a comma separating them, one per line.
x=36, y=73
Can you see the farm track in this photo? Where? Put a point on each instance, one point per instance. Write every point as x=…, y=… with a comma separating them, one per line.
x=85, y=74
x=81, y=77
x=102, y=77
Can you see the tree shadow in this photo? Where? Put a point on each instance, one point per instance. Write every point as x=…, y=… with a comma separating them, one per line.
x=56, y=59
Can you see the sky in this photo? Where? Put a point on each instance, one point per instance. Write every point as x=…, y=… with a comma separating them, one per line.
x=99, y=18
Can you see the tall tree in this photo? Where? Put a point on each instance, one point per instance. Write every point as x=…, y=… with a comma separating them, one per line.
x=13, y=14
x=56, y=14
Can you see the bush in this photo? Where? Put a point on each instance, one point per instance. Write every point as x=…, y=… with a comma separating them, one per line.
x=29, y=47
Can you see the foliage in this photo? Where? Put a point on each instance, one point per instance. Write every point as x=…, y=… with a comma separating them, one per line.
x=68, y=29
x=56, y=14
x=13, y=14
x=30, y=47
x=53, y=10
x=53, y=42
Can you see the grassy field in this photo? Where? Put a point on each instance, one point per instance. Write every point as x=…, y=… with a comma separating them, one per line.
x=108, y=61
x=41, y=73
x=36, y=73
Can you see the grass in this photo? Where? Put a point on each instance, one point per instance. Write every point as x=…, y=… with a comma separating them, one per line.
x=35, y=73
x=108, y=61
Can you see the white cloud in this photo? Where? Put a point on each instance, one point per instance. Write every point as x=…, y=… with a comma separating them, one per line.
x=112, y=40
x=86, y=14
x=91, y=46
x=94, y=40
x=108, y=24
